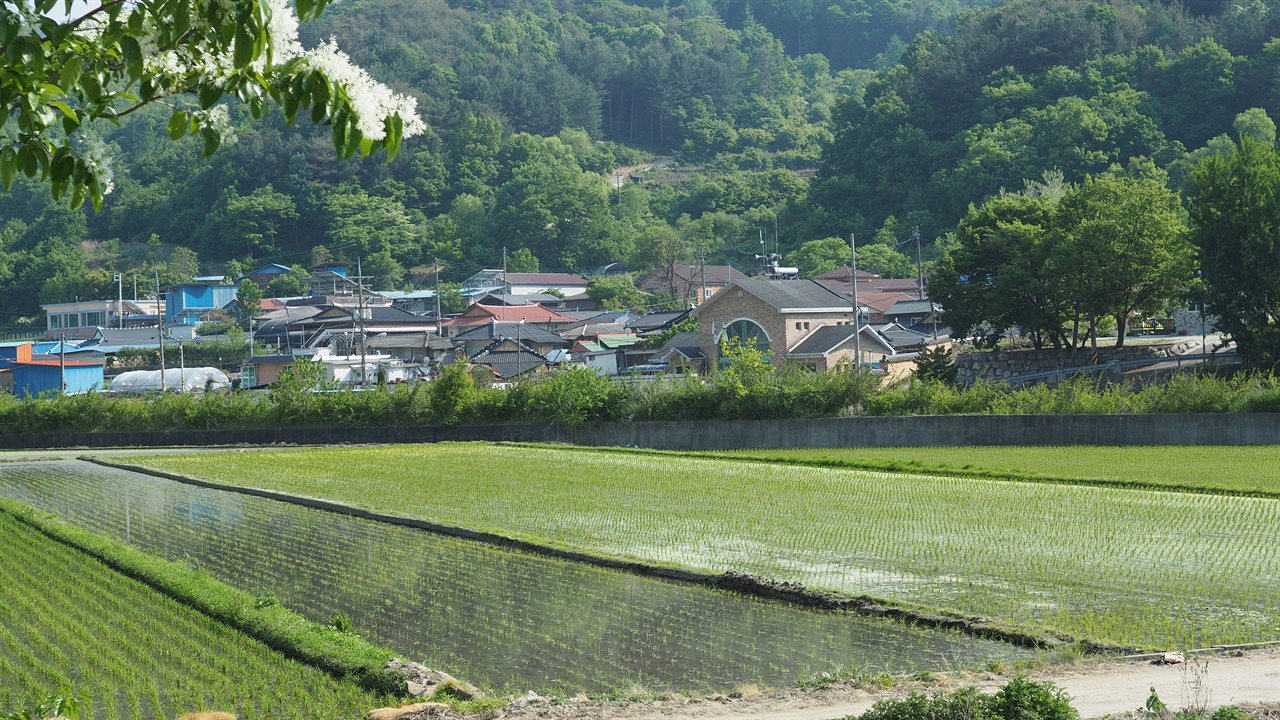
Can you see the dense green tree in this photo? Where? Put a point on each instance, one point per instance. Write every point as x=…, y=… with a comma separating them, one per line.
x=291, y=284
x=522, y=261
x=617, y=293
x=1233, y=209
x=819, y=256
x=995, y=276
x=248, y=302
x=1122, y=247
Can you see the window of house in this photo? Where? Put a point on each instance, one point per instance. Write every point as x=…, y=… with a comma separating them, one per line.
x=748, y=333
x=93, y=319
x=806, y=326
x=72, y=320
x=55, y=322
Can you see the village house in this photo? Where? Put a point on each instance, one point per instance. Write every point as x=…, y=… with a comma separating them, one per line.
x=779, y=316
x=688, y=281
x=82, y=319
x=524, y=283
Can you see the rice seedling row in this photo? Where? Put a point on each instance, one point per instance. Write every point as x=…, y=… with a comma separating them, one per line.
x=1238, y=470
x=1120, y=566
x=499, y=618
x=70, y=621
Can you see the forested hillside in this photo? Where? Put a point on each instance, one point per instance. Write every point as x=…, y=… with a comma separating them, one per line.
x=1036, y=86
x=533, y=106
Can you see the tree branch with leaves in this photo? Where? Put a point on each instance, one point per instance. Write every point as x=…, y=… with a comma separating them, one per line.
x=60, y=73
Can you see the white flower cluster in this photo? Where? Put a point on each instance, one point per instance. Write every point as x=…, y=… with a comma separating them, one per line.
x=97, y=159
x=218, y=120
x=371, y=101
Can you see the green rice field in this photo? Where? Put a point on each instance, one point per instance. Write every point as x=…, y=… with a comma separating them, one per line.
x=68, y=620
x=1123, y=566
x=1237, y=469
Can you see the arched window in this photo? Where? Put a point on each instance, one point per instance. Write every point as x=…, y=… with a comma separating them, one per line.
x=747, y=332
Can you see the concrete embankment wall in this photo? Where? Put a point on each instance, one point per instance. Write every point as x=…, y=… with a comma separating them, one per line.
x=943, y=430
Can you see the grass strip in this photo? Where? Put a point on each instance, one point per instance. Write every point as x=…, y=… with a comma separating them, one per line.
x=343, y=655
x=850, y=459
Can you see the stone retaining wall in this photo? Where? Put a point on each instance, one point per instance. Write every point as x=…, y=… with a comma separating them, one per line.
x=926, y=431
x=997, y=366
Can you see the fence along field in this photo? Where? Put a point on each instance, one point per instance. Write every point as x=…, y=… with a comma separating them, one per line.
x=71, y=621
x=504, y=619
x=1230, y=470
x=1126, y=567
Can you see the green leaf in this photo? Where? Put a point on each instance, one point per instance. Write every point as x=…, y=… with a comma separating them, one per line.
x=95, y=194
x=28, y=162
x=132, y=55
x=70, y=73
x=209, y=95
x=305, y=8
x=395, y=133
x=290, y=107
x=181, y=19
x=63, y=165
x=244, y=47
x=8, y=166
x=212, y=140
x=77, y=196
x=66, y=110
x=178, y=124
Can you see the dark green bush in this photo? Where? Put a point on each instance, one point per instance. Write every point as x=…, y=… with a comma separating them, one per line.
x=1019, y=699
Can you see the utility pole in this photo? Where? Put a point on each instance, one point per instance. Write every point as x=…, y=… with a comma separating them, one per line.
x=436, y=261
x=360, y=305
x=135, y=287
x=120, y=300
x=160, y=316
x=182, y=368
x=504, y=283
x=919, y=265
x=702, y=269
x=62, y=363
x=857, y=311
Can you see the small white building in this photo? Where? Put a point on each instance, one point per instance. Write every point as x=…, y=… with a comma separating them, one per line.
x=525, y=283
x=82, y=319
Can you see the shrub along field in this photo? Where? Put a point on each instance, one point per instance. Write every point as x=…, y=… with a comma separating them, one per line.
x=72, y=621
x=1121, y=566
x=1229, y=470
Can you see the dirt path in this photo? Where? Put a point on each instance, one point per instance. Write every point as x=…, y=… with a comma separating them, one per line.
x=1096, y=690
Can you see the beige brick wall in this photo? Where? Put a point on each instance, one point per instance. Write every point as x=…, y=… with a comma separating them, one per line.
x=734, y=303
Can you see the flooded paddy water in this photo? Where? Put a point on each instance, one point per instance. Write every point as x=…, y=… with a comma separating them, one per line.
x=496, y=617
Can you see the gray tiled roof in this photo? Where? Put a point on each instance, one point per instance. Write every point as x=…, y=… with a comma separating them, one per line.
x=911, y=307
x=792, y=294
x=685, y=343
x=509, y=363
x=526, y=332
x=657, y=320
x=829, y=337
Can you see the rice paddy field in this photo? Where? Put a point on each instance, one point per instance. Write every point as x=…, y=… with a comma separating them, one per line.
x=1124, y=566
x=502, y=619
x=1242, y=470
x=68, y=620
